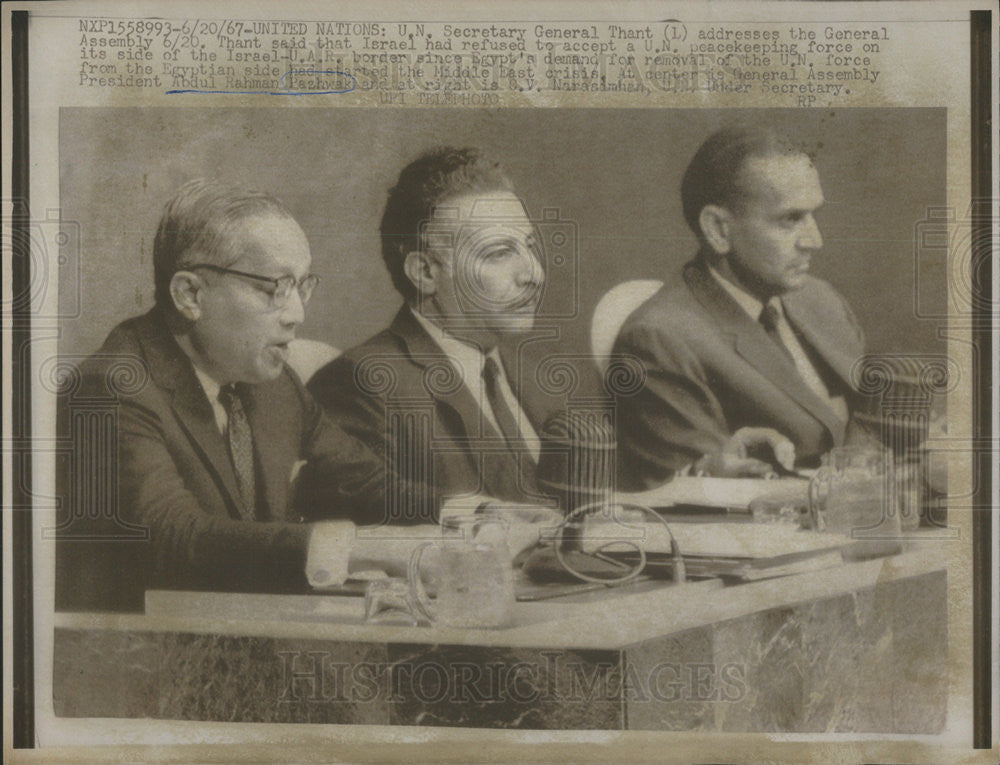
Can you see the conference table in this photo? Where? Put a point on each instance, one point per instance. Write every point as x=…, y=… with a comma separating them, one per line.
x=857, y=647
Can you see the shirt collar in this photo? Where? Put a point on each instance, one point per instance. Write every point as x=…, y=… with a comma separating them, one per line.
x=211, y=387
x=746, y=301
x=469, y=358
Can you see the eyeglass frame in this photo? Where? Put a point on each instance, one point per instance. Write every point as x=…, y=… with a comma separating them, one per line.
x=276, y=301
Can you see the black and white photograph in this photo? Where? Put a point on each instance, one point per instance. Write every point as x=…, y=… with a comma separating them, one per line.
x=359, y=425
x=478, y=237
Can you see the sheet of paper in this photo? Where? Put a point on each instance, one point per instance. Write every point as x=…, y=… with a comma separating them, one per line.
x=718, y=492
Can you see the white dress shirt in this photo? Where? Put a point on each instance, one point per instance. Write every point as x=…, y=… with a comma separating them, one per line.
x=329, y=553
x=212, y=388
x=469, y=361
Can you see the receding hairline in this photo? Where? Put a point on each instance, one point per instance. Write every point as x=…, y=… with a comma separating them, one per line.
x=232, y=230
x=741, y=192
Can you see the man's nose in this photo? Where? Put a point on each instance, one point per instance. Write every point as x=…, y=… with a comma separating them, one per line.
x=294, y=311
x=810, y=238
x=530, y=269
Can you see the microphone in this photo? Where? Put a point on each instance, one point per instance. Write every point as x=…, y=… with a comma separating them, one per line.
x=576, y=464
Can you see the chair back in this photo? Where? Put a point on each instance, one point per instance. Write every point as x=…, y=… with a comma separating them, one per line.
x=612, y=310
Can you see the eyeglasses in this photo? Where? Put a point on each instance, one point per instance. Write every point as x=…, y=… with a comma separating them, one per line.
x=283, y=285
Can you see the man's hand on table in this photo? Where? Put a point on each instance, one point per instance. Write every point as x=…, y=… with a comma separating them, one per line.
x=733, y=461
x=526, y=526
x=339, y=549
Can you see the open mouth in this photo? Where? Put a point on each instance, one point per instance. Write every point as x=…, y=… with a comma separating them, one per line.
x=800, y=268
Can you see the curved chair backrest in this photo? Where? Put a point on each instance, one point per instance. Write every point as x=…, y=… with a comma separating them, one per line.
x=307, y=356
x=612, y=310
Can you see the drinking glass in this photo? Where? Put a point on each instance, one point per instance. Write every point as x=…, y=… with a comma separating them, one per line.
x=854, y=494
x=475, y=579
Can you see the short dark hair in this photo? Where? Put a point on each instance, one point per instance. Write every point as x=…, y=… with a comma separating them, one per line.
x=713, y=175
x=196, y=225
x=423, y=184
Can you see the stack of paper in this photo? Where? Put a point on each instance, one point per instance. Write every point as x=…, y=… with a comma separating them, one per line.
x=735, y=549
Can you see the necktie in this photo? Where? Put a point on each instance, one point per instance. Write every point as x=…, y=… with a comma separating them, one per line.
x=240, y=440
x=501, y=411
x=769, y=319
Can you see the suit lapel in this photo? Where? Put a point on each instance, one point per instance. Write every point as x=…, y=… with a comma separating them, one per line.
x=424, y=353
x=269, y=425
x=752, y=343
x=822, y=336
x=172, y=370
x=521, y=360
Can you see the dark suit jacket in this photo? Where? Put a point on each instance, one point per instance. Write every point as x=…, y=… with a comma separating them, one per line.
x=151, y=495
x=711, y=369
x=399, y=393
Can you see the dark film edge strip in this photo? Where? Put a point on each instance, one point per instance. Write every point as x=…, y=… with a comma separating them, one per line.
x=21, y=548
x=983, y=302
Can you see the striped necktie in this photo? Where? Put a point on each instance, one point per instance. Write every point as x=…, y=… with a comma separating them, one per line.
x=240, y=439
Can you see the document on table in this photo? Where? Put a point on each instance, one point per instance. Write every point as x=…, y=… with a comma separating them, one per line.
x=722, y=540
x=718, y=492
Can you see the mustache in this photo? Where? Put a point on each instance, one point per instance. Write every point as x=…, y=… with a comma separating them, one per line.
x=528, y=302
x=531, y=296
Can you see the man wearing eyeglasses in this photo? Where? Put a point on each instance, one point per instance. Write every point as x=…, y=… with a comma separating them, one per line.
x=209, y=423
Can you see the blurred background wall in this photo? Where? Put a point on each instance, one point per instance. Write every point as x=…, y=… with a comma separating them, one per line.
x=610, y=175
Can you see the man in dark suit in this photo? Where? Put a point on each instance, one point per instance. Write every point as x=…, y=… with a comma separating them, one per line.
x=187, y=427
x=435, y=395
x=749, y=351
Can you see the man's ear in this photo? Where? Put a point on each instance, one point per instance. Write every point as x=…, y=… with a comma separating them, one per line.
x=186, y=292
x=422, y=270
x=715, y=228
